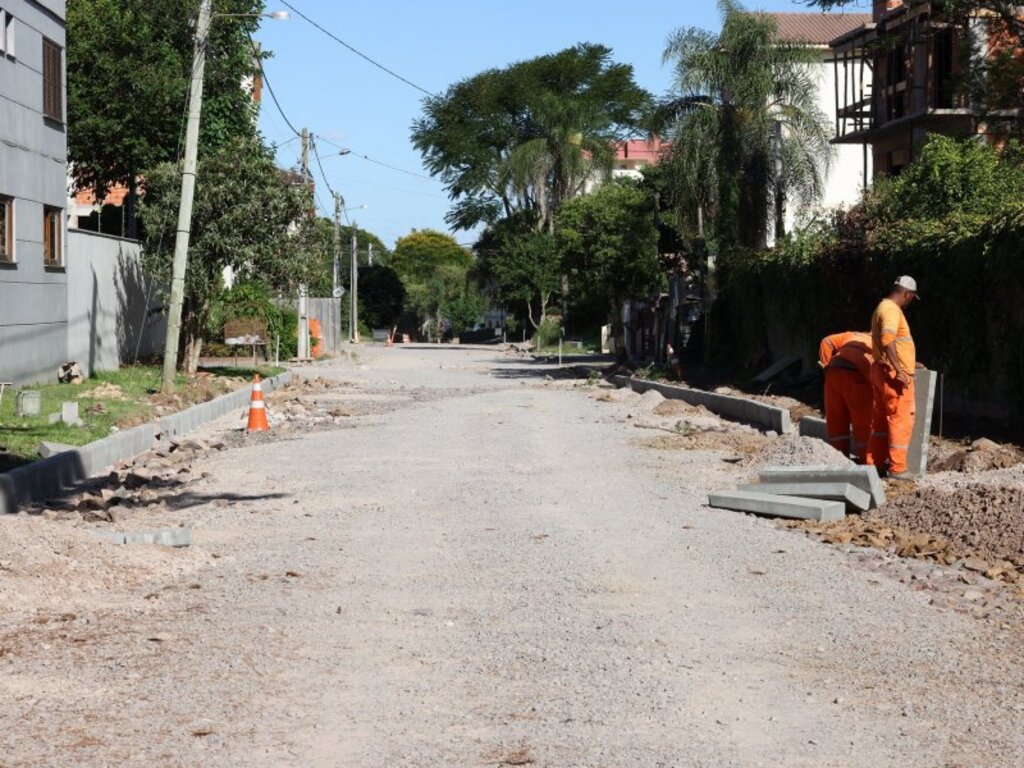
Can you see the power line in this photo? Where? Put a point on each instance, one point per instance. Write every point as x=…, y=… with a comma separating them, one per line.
x=355, y=50
x=378, y=162
x=270, y=90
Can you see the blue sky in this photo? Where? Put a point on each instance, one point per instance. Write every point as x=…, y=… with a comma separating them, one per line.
x=345, y=100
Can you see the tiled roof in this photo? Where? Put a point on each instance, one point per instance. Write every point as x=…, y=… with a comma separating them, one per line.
x=816, y=28
x=639, y=149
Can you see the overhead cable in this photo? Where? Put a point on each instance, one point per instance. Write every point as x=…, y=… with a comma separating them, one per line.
x=356, y=51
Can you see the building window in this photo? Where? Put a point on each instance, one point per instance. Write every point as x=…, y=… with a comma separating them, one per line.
x=6, y=229
x=6, y=34
x=53, y=228
x=53, y=81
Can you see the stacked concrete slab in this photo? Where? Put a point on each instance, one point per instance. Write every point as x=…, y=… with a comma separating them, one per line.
x=807, y=493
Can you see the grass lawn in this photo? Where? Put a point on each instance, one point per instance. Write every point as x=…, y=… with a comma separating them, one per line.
x=123, y=398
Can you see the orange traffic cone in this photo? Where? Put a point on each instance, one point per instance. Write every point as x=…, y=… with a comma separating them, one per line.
x=257, y=408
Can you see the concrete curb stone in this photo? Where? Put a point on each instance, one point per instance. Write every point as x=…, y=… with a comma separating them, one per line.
x=52, y=477
x=739, y=409
x=779, y=506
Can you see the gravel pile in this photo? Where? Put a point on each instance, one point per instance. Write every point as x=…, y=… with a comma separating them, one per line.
x=797, y=450
x=980, y=456
x=980, y=518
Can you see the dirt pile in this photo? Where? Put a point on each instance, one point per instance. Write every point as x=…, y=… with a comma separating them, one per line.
x=797, y=450
x=677, y=408
x=741, y=445
x=105, y=391
x=980, y=456
x=980, y=518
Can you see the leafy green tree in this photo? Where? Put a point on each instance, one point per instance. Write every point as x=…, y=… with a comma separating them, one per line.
x=381, y=296
x=436, y=272
x=610, y=246
x=951, y=177
x=243, y=215
x=524, y=265
x=129, y=63
x=527, y=137
x=745, y=127
x=319, y=236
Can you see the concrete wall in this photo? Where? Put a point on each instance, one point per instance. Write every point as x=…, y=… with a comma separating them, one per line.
x=113, y=311
x=33, y=171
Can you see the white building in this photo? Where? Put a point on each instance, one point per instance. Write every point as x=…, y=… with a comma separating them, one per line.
x=850, y=169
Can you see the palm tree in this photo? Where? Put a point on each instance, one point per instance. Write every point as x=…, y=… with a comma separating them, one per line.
x=572, y=143
x=747, y=135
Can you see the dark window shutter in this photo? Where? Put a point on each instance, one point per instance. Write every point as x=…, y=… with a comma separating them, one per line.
x=53, y=102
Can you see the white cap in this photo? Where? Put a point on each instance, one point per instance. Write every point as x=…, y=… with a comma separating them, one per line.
x=907, y=283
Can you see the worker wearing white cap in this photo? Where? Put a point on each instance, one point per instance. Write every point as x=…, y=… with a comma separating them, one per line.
x=892, y=379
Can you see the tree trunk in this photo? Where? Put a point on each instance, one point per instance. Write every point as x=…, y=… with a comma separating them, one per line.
x=619, y=330
x=131, y=228
x=193, y=342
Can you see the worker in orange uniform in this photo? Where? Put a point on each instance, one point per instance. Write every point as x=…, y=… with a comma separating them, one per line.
x=892, y=379
x=846, y=358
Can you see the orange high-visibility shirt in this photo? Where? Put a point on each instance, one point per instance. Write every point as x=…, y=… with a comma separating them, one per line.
x=889, y=326
x=850, y=349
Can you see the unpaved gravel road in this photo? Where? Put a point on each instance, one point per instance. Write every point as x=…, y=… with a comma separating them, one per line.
x=485, y=569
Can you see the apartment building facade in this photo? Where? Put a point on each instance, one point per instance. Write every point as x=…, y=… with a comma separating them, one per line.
x=33, y=193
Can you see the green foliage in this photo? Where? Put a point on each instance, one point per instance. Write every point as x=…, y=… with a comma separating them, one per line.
x=253, y=300
x=951, y=177
x=435, y=270
x=524, y=265
x=316, y=237
x=381, y=296
x=525, y=138
x=548, y=333
x=954, y=220
x=609, y=244
x=244, y=209
x=129, y=64
x=731, y=93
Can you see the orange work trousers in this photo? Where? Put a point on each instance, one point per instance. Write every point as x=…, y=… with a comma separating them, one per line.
x=893, y=419
x=848, y=404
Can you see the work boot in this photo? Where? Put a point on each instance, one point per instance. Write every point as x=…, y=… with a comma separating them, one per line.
x=904, y=475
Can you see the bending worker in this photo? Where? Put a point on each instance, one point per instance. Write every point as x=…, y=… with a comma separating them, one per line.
x=892, y=379
x=846, y=358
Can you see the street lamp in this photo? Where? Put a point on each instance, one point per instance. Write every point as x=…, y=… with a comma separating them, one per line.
x=188, y=186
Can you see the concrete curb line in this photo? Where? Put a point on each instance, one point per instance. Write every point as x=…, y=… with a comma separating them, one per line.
x=52, y=477
x=727, y=406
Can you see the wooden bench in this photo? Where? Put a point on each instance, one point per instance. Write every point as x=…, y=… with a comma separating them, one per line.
x=245, y=332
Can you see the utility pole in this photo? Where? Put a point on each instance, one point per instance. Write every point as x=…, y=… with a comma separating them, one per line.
x=353, y=291
x=188, y=186
x=302, y=347
x=338, y=203
x=305, y=153
x=369, y=253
